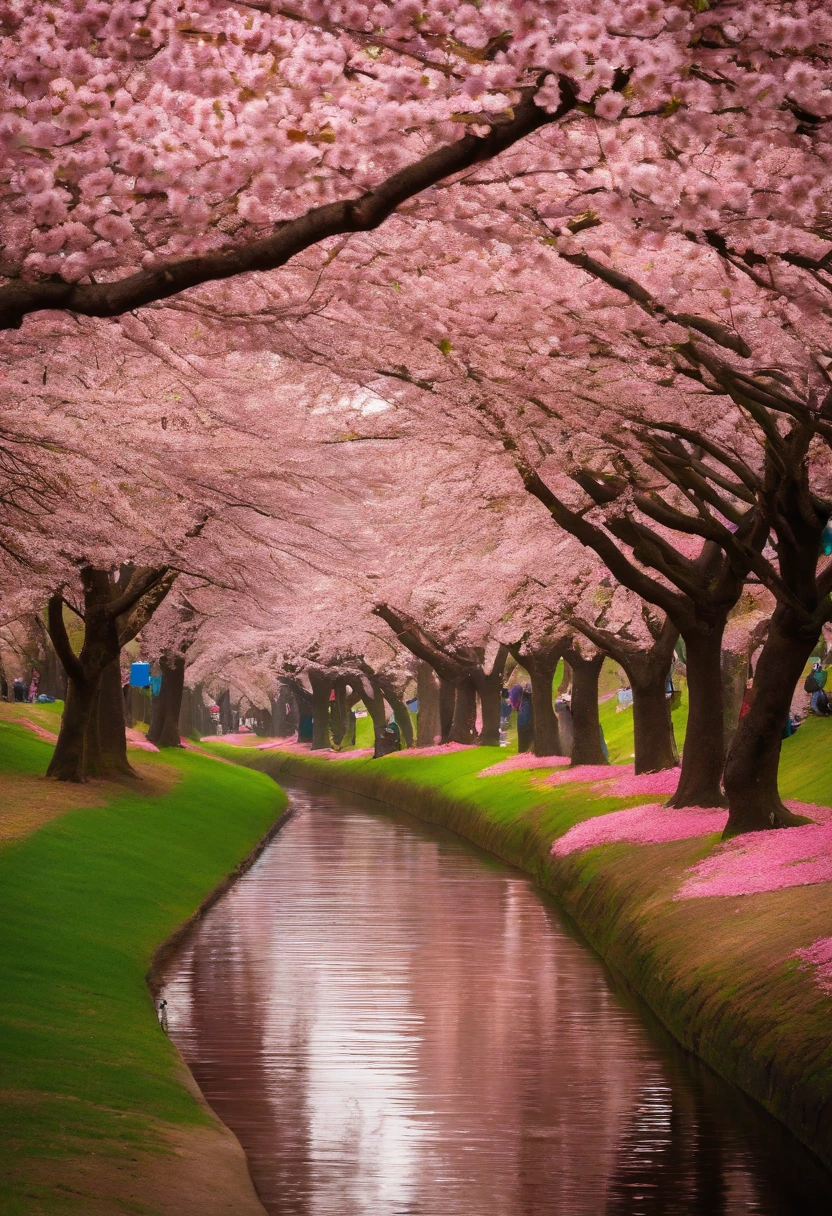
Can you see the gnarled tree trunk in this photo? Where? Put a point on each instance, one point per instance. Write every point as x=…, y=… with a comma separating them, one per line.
x=751, y=783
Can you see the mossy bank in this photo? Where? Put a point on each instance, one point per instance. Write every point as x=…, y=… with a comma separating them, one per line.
x=98, y=1113
x=720, y=973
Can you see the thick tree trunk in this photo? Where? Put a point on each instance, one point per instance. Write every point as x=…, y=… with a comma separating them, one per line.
x=751, y=786
x=111, y=725
x=447, y=709
x=734, y=680
x=490, y=708
x=321, y=688
x=489, y=686
x=586, y=725
x=67, y=763
x=173, y=682
x=655, y=744
x=703, y=755
x=464, y=728
x=187, y=725
x=93, y=766
x=427, y=716
x=541, y=669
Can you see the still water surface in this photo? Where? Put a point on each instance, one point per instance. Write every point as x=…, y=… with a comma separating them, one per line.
x=394, y=1024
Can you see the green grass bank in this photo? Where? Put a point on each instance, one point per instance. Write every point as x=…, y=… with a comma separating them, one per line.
x=98, y=1113
x=719, y=972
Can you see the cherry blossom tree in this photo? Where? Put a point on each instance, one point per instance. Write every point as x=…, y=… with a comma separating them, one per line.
x=295, y=124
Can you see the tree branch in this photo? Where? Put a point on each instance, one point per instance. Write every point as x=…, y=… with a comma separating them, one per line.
x=60, y=639
x=290, y=237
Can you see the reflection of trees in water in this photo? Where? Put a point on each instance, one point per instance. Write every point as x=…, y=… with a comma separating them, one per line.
x=392, y=1024
x=224, y=1047
x=695, y=1146
x=500, y=1075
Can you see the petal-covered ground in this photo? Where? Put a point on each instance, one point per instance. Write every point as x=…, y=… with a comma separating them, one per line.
x=588, y=772
x=521, y=761
x=619, y=780
x=650, y=824
x=766, y=861
x=819, y=957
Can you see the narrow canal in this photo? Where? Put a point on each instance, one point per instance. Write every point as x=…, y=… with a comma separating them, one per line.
x=394, y=1024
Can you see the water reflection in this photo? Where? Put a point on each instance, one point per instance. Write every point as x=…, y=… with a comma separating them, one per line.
x=395, y=1025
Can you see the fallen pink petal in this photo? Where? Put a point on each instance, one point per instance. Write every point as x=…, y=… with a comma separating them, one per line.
x=764, y=861
x=818, y=957
x=523, y=760
x=649, y=824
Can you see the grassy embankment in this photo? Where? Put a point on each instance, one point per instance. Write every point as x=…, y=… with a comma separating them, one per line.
x=98, y=1114
x=720, y=972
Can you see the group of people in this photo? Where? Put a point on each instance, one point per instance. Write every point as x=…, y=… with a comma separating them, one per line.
x=518, y=699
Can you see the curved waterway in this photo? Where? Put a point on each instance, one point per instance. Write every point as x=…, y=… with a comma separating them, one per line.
x=394, y=1024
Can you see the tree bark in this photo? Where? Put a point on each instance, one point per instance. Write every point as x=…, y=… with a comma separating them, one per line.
x=321, y=688
x=338, y=713
x=447, y=709
x=464, y=728
x=375, y=707
x=67, y=762
x=173, y=682
x=283, y=723
x=427, y=716
x=751, y=771
x=703, y=755
x=489, y=686
x=403, y=719
x=111, y=724
x=734, y=679
x=655, y=743
x=586, y=724
x=93, y=766
x=541, y=668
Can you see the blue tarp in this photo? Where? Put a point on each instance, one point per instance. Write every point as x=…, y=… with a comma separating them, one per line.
x=140, y=675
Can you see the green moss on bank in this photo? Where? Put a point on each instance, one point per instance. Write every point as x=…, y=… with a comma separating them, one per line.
x=84, y=901
x=719, y=972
